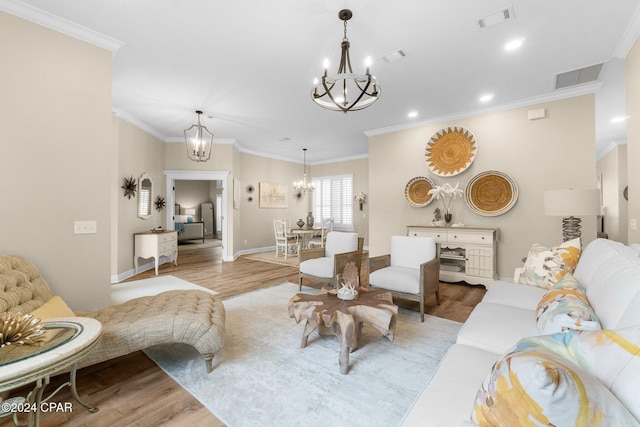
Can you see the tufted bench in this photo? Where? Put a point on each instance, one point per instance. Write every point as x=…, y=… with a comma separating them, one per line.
x=189, y=317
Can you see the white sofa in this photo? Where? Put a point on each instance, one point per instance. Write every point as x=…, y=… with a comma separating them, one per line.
x=610, y=273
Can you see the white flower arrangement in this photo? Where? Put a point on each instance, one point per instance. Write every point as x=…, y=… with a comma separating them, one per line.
x=446, y=193
x=360, y=197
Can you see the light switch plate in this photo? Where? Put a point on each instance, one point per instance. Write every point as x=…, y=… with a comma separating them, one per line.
x=85, y=227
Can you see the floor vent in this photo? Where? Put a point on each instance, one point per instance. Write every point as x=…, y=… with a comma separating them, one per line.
x=579, y=76
x=496, y=17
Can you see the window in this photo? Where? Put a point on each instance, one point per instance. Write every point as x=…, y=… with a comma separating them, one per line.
x=333, y=198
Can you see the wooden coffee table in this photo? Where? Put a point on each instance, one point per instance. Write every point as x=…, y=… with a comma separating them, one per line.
x=344, y=319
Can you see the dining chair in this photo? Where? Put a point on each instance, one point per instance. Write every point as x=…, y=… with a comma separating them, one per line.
x=322, y=264
x=320, y=240
x=284, y=239
x=411, y=271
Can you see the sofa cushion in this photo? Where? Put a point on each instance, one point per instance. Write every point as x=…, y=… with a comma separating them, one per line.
x=564, y=308
x=514, y=294
x=536, y=387
x=399, y=279
x=613, y=357
x=545, y=266
x=450, y=394
x=612, y=289
x=596, y=253
x=496, y=327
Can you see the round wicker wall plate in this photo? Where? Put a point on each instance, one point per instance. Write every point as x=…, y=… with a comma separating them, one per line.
x=451, y=151
x=491, y=193
x=417, y=191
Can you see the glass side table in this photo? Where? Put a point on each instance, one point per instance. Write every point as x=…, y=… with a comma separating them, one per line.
x=22, y=365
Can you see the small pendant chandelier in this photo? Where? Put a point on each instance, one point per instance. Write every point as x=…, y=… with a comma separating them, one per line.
x=303, y=186
x=345, y=91
x=198, y=140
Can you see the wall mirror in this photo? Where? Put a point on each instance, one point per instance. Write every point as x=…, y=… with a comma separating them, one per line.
x=145, y=196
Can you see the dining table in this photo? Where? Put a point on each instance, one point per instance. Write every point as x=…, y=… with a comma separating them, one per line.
x=306, y=234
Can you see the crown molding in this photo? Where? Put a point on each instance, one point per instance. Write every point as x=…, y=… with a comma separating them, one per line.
x=59, y=24
x=139, y=124
x=629, y=37
x=585, y=89
x=604, y=151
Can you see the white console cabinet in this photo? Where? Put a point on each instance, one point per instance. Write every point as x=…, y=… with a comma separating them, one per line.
x=155, y=245
x=466, y=254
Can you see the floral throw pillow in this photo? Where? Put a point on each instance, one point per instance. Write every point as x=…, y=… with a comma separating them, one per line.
x=535, y=387
x=611, y=356
x=545, y=266
x=565, y=307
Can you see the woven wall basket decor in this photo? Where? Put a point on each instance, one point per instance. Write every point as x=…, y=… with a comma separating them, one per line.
x=417, y=191
x=491, y=193
x=451, y=151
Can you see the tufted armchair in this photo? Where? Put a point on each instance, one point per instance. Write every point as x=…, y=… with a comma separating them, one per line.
x=191, y=317
x=411, y=271
x=322, y=264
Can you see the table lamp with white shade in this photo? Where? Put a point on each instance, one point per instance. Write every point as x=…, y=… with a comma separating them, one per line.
x=571, y=204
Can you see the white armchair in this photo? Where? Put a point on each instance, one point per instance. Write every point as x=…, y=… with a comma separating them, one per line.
x=322, y=264
x=411, y=271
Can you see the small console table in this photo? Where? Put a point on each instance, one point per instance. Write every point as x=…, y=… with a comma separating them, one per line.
x=466, y=253
x=152, y=244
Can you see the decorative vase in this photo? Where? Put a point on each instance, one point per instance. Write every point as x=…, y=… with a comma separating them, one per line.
x=310, y=220
x=447, y=218
x=300, y=223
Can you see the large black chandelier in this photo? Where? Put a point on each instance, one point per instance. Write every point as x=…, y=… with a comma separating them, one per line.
x=346, y=90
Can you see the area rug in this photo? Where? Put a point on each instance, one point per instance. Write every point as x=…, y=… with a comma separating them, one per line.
x=270, y=257
x=263, y=378
x=125, y=291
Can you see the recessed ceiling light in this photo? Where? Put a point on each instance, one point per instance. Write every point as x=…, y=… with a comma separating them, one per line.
x=513, y=44
x=486, y=98
x=619, y=119
x=412, y=114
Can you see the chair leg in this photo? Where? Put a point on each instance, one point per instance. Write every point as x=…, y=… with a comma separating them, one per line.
x=438, y=297
x=422, y=309
x=300, y=280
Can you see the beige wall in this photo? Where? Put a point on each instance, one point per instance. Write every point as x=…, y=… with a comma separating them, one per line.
x=612, y=167
x=632, y=81
x=254, y=225
x=138, y=152
x=57, y=156
x=552, y=153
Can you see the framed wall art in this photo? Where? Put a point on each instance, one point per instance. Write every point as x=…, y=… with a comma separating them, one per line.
x=273, y=195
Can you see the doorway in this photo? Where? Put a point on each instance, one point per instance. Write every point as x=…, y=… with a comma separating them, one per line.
x=225, y=225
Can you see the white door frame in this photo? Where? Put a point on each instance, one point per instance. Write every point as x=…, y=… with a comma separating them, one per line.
x=173, y=175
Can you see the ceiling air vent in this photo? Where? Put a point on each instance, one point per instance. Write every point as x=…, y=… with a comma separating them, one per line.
x=394, y=56
x=579, y=76
x=496, y=17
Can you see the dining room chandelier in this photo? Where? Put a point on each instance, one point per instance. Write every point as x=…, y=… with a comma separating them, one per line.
x=345, y=91
x=198, y=140
x=303, y=186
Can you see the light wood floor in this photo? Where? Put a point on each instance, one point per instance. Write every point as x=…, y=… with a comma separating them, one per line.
x=133, y=391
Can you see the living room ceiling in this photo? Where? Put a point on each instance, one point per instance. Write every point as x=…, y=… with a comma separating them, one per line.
x=249, y=65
